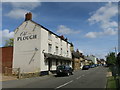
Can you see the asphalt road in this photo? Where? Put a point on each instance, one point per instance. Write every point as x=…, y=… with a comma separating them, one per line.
x=92, y=78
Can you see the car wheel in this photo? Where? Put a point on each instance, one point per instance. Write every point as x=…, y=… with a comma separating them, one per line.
x=68, y=74
x=71, y=73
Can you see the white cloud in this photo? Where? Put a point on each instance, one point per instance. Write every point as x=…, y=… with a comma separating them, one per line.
x=65, y=30
x=25, y=5
x=91, y=35
x=21, y=0
x=108, y=31
x=103, y=16
x=17, y=13
x=6, y=34
x=21, y=8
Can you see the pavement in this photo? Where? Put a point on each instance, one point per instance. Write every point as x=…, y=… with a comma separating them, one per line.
x=7, y=78
x=92, y=78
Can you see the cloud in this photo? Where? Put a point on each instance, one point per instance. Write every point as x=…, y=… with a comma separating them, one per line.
x=65, y=30
x=103, y=16
x=6, y=34
x=21, y=8
x=25, y=5
x=108, y=31
x=21, y=0
x=16, y=13
x=91, y=35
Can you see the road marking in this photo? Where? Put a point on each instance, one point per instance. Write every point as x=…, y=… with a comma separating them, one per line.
x=64, y=84
x=83, y=75
x=78, y=77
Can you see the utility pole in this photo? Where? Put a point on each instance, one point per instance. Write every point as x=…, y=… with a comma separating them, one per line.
x=115, y=52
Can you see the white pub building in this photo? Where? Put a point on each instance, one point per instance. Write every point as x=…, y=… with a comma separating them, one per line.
x=37, y=49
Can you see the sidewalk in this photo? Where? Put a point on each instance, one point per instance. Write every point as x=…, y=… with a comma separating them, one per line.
x=6, y=78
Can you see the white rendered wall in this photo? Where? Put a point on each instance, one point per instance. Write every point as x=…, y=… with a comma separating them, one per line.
x=25, y=56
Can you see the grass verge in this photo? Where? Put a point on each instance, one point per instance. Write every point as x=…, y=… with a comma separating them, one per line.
x=111, y=83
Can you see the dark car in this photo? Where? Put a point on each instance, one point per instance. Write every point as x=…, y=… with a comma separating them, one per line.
x=92, y=66
x=85, y=67
x=64, y=70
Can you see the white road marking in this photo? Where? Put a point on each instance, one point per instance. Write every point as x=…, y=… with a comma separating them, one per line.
x=78, y=77
x=83, y=75
x=64, y=84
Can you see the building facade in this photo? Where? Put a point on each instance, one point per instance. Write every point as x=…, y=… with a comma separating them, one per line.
x=37, y=49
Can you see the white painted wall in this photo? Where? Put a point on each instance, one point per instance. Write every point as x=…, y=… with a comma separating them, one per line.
x=24, y=50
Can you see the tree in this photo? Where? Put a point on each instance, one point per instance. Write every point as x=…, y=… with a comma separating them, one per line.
x=111, y=59
x=9, y=42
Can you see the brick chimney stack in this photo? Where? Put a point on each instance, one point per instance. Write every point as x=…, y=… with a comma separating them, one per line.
x=28, y=16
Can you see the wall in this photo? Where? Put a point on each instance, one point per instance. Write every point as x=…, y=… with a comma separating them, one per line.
x=6, y=54
x=27, y=52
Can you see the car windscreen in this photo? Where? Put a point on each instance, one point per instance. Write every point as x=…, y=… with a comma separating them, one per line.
x=60, y=67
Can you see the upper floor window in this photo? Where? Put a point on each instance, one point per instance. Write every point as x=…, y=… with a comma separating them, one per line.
x=67, y=53
x=49, y=48
x=49, y=36
x=61, y=51
x=61, y=42
x=56, y=49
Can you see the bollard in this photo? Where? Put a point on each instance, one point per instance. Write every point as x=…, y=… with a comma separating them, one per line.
x=19, y=73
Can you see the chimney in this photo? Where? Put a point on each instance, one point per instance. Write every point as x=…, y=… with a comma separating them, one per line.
x=28, y=16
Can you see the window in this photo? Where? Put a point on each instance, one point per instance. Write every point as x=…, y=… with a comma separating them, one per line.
x=61, y=51
x=56, y=50
x=49, y=48
x=61, y=42
x=67, y=53
x=49, y=36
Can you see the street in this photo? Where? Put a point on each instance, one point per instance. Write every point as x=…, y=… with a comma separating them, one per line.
x=92, y=78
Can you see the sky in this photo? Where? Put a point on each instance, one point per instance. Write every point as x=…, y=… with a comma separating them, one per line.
x=91, y=26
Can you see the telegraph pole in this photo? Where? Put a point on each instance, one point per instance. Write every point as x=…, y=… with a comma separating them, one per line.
x=115, y=52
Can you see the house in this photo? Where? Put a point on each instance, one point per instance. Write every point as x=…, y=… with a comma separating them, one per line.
x=77, y=59
x=37, y=49
x=92, y=58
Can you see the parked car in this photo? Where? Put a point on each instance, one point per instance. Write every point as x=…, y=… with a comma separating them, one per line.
x=86, y=67
x=64, y=70
x=92, y=66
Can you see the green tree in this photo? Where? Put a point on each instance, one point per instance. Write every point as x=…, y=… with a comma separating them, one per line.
x=118, y=59
x=9, y=42
x=111, y=59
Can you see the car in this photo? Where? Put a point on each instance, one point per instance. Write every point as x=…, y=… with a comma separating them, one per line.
x=85, y=67
x=92, y=66
x=64, y=70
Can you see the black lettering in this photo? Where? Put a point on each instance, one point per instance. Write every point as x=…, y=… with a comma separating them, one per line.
x=35, y=36
x=31, y=37
x=26, y=37
x=19, y=38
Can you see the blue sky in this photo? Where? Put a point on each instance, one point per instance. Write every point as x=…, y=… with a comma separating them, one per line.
x=90, y=26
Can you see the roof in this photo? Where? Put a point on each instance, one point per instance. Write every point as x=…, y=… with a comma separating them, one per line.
x=50, y=31
x=51, y=56
x=75, y=54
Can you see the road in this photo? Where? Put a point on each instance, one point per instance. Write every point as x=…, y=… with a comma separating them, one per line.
x=92, y=78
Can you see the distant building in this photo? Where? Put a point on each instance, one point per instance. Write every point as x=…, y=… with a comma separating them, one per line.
x=77, y=60
x=37, y=49
x=92, y=58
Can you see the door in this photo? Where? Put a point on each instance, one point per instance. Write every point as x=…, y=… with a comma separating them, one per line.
x=49, y=64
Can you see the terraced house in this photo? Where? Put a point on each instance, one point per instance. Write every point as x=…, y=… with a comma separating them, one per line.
x=37, y=49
